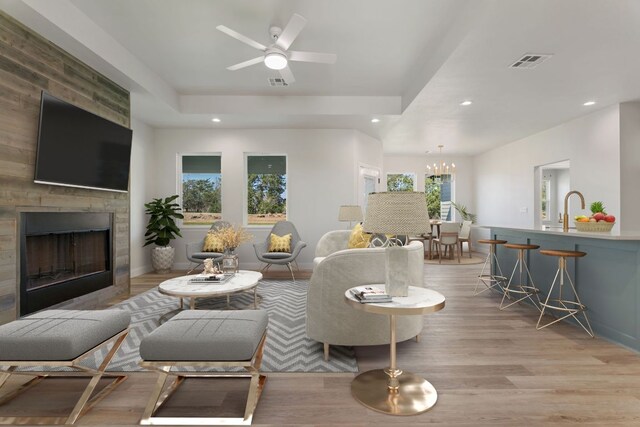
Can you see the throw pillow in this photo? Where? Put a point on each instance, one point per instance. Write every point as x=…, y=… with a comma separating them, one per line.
x=212, y=243
x=358, y=238
x=280, y=243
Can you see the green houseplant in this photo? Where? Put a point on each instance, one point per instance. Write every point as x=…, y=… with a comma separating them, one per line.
x=464, y=213
x=161, y=230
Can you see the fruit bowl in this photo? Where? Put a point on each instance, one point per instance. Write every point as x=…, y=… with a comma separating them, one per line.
x=594, y=226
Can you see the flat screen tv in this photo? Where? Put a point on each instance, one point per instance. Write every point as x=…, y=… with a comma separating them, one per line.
x=76, y=148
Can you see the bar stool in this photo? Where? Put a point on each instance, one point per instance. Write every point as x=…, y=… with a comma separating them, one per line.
x=490, y=280
x=520, y=289
x=572, y=308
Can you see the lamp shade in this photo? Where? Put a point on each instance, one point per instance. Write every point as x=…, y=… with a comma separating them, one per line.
x=350, y=213
x=398, y=212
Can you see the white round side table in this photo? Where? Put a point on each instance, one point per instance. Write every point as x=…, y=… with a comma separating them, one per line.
x=393, y=391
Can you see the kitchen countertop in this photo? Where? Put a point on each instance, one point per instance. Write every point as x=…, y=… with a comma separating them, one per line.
x=557, y=231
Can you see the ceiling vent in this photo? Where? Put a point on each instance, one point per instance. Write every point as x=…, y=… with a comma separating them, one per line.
x=277, y=82
x=530, y=60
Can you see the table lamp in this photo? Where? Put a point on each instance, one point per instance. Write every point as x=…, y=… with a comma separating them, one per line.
x=350, y=213
x=399, y=213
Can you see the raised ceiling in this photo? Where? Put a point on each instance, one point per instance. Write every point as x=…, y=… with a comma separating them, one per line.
x=408, y=62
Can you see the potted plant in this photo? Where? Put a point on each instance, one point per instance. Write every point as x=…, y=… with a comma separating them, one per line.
x=161, y=230
x=231, y=237
x=464, y=213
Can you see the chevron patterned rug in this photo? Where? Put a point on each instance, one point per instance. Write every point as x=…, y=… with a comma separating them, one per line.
x=287, y=348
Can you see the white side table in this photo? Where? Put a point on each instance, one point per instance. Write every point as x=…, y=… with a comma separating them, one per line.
x=391, y=390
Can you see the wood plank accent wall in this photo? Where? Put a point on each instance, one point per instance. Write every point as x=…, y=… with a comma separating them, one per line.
x=28, y=64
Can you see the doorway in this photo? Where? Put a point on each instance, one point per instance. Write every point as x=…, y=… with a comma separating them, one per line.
x=553, y=182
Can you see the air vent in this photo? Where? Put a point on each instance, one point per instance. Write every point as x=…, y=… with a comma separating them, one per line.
x=277, y=82
x=530, y=60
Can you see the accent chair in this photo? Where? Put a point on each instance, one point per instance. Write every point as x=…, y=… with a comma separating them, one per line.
x=194, y=249
x=280, y=228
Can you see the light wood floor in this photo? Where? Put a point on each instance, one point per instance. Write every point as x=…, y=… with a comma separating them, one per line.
x=490, y=368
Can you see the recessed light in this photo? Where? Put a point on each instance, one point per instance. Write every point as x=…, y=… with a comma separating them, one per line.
x=216, y=120
x=375, y=120
x=588, y=103
x=467, y=102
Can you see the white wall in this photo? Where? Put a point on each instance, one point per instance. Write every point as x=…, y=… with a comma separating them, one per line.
x=504, y=178
x=321, y=177
x=463, y=186
x=629, y=213
x=141, y=183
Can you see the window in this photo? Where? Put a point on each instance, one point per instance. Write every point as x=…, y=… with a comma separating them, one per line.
x=545, y=199
x=266, y=189
x=201, y=184
x=438, y=194
x=401, y=182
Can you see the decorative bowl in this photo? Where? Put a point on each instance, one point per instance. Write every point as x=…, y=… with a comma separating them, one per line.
x=601, y=226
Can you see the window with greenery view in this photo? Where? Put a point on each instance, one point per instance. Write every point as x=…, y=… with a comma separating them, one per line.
x=401, y=182
x=545, y=199
x=201, y=189
x=438, y=194
x=432, y=194
x=266, y=189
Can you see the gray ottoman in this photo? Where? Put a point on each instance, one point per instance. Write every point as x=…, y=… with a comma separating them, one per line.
x=63, y=338
x=201, y=338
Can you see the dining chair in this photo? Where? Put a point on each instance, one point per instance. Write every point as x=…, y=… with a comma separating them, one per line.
x=448, y=238
x=465, y=236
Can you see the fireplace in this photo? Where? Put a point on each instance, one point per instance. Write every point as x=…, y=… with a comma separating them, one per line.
x=63, y=255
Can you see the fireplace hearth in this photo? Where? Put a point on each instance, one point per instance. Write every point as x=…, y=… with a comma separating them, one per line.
x=63, y=255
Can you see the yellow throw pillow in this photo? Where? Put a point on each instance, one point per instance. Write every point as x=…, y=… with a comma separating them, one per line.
x=358, y=238
x=280, y=243
x=212, y=243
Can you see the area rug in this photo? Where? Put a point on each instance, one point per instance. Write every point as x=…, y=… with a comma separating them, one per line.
x=287, y=348
x=476, y=258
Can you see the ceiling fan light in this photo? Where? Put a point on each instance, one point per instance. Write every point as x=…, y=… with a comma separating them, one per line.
x=275, y=61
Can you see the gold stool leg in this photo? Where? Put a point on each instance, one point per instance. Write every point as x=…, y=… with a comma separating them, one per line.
x=525, y=290
x=490, y=280
x=572, y=308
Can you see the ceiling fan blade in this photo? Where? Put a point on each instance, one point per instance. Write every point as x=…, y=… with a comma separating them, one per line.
x=244, y=64
x=325, y=58
x=291, y=31
x=287, y=75
x=240, y=37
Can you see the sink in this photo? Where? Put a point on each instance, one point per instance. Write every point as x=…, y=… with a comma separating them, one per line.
x=555, y=227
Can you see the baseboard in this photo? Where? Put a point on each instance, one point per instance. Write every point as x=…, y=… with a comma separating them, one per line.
x=139, y=271
x=256, y=266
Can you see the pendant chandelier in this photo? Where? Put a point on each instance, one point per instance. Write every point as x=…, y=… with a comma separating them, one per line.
x=441, y=171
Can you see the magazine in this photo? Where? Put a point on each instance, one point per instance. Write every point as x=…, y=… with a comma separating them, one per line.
x=369, y=294
x=211, y=278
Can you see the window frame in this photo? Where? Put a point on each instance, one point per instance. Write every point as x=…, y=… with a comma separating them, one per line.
x=179, y=185
x=546, y=200
x=245, y=190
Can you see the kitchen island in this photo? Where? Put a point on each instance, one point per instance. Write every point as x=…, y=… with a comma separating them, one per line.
x=607, y=279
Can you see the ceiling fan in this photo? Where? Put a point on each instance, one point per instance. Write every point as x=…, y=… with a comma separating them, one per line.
x=276, y=56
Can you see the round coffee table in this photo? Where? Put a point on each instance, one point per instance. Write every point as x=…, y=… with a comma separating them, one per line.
x=393, y=391
x=181, y=287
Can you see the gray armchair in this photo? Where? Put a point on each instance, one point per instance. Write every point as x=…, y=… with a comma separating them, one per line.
x=280, y=258
x=194, y=249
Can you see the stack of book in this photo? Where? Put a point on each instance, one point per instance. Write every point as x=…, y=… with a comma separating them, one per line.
x=367, y=294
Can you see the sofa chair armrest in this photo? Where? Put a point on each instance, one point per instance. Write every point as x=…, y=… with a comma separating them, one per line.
x=260, y=248
x=194, y=247
x=297, y=248
x=331, y=242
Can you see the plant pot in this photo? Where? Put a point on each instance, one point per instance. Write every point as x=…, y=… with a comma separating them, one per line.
x=162, y=258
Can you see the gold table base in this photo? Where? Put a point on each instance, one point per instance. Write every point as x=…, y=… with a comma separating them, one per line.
x=413, y=396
